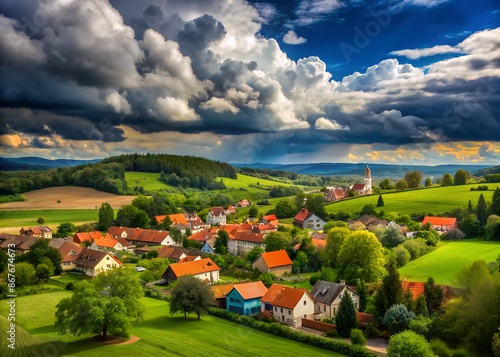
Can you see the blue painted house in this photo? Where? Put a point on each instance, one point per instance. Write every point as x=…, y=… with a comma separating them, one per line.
x=244, y=299
x=207, y=248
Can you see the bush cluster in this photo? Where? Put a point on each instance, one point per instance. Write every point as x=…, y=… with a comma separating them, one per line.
x=286, y=332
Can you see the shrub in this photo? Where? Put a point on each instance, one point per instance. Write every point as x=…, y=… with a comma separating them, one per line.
x=372, y=331
x=332, y=333
x=461, y=353
x=70, y=286
x=409, y=344
x=40, y=220
x=421, y=325
x=453, y=234
x=357, y=337
x=397, y=318
x=440, y=348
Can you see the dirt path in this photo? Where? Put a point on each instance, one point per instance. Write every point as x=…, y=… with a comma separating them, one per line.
x=66, y=197
x=131, y=340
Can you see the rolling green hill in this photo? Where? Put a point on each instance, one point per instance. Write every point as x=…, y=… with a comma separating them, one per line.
x=149, y=180
x=444, y=263
x=435, y=200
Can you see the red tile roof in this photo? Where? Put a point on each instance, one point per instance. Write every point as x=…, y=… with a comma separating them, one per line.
x=272, y=292
x=70, y=251
x=317, y=242
x=194, y=267
x=217, y=211
x=276, y=259
x=440, y=221
x=86, y=236
x=251, y=290
x=171, y=252
x=249, y=237
x=106, y=242
x=270, y=217
x=139, y=234
x=289, y=297
x=416, y=288
x=302, y=215
x=358, y=186
x=202, y=236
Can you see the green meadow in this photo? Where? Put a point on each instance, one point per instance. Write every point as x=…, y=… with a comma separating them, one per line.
x=160, y=334
x=444, y=263
x=435, y=200
x=149, y=180
x=52, y=217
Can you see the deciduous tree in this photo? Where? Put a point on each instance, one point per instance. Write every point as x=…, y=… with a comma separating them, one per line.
x=277, y=241
x=447, y=180
x=65, y=229
x=221, y=242
x=106, y=216
x=361, y=256
x=461, y=177
x=401, y=185
x=392, y=237
x=409, y=344
x=190, y=294
x=285, y=208
x=413, y=179
x=131, y=216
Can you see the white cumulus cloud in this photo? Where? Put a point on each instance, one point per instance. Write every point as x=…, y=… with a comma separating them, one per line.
x=327, y=124
x=292, y=38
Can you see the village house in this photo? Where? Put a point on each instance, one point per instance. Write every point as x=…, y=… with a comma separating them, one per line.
x=216, y=216
x=243, y=242
x=441, y=224
x=82, y=237
x=277, y=262
x=333, y=194
x=220, y=293
x=244, y=299
x=270, y=219
x=92, y=262
x=327, y=297
x=263, y=228
x=175, y=254
x=21, y=243
x=305, y=219
x=230, y=210
x=266, y=302
x=244, y=203
x=70, y=251
x=289, y=305
x=184, y=221
x=204, y=269
x=139, y=236
x=39, y=232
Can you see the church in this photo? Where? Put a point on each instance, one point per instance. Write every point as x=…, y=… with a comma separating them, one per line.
x=366, y=187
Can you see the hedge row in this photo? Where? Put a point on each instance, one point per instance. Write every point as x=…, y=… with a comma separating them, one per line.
x=286, y=332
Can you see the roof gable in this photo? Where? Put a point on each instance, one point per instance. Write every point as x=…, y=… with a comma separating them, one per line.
x=276, y=259
x=289, y=297
x=440, y=221
x=326, y=292
x=193, y=267
x=302, y=215
x=251, y=290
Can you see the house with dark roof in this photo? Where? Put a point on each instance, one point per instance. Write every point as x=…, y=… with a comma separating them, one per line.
x=39, y=232
x=441, y=224
x=20, y=243
x=216, y=216
x=243, y=242
x=305, y=219
x=175, y=254
x=327, y=297
x=289, y=305
x=70, y=251
x=204, y=269
x=139, y=236
x=244, y=299
x=277, y=262
x=92, y=262
x=263, y=228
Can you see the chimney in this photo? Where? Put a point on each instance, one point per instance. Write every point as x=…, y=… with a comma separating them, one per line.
x=342, y=282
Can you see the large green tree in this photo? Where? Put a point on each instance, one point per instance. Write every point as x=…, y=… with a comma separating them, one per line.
x=65, y=229
x=316, y=204
x=390, y=292
x=190, y=294
x=392, y=237
x=40, y=250
x=277, y=241
x=334, y=241
x=147, y=204
x=285, y=208
x=131, y=216
x=413, y=179
x=461, y=177
x=106, y=216
x=103, y=306
x=361, y=256
x=447, y=180
x=346, y=319
x=221, y=242
x=434, y=296
x=401, y=185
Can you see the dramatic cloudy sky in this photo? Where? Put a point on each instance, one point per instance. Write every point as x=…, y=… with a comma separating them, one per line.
x=394, y=81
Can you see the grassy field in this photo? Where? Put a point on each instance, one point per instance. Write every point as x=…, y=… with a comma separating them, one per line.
x=149, y=180
x=52, y=217
x=435, y=200
x=161, y=334
x=443, y=263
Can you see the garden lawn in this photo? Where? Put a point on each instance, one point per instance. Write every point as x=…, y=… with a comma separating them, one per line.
x=430, y=200
x=445, y=262
x=161, y=334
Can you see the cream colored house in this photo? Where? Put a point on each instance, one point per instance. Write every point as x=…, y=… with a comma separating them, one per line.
x=291, y=305
x=327, y=297
x=204, y=269
x=92, y=262
x=277, y=262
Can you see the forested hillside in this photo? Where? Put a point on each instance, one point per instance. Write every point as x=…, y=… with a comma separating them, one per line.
x=109, y=174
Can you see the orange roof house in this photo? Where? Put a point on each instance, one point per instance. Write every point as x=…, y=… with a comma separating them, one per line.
x=204, y=269
x=270, y=219
x=288, y=305
x=442, y=224
x=277, y=262
x=317, y=242
x=139, y=236
x=82, y=237
x=244, y=299
x=416, y=288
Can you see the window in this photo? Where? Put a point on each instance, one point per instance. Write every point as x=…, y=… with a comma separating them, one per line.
x=275, y=309
x=305, y=316
x=324, y=308
x=281, y=310
x=305, y=303
x=107, y=258
x=289, y=312
x=356, y=305
x=334, y=311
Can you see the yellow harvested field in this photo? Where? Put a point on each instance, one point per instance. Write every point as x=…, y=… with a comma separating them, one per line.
x=70, y=197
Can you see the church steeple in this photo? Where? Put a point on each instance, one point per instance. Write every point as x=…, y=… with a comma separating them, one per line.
x=368, y=180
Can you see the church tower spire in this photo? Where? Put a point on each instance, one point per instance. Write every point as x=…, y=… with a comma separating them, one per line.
x=368, y=180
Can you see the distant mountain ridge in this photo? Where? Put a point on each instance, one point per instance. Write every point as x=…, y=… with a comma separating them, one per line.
x=38, y=163
x=378, y=170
